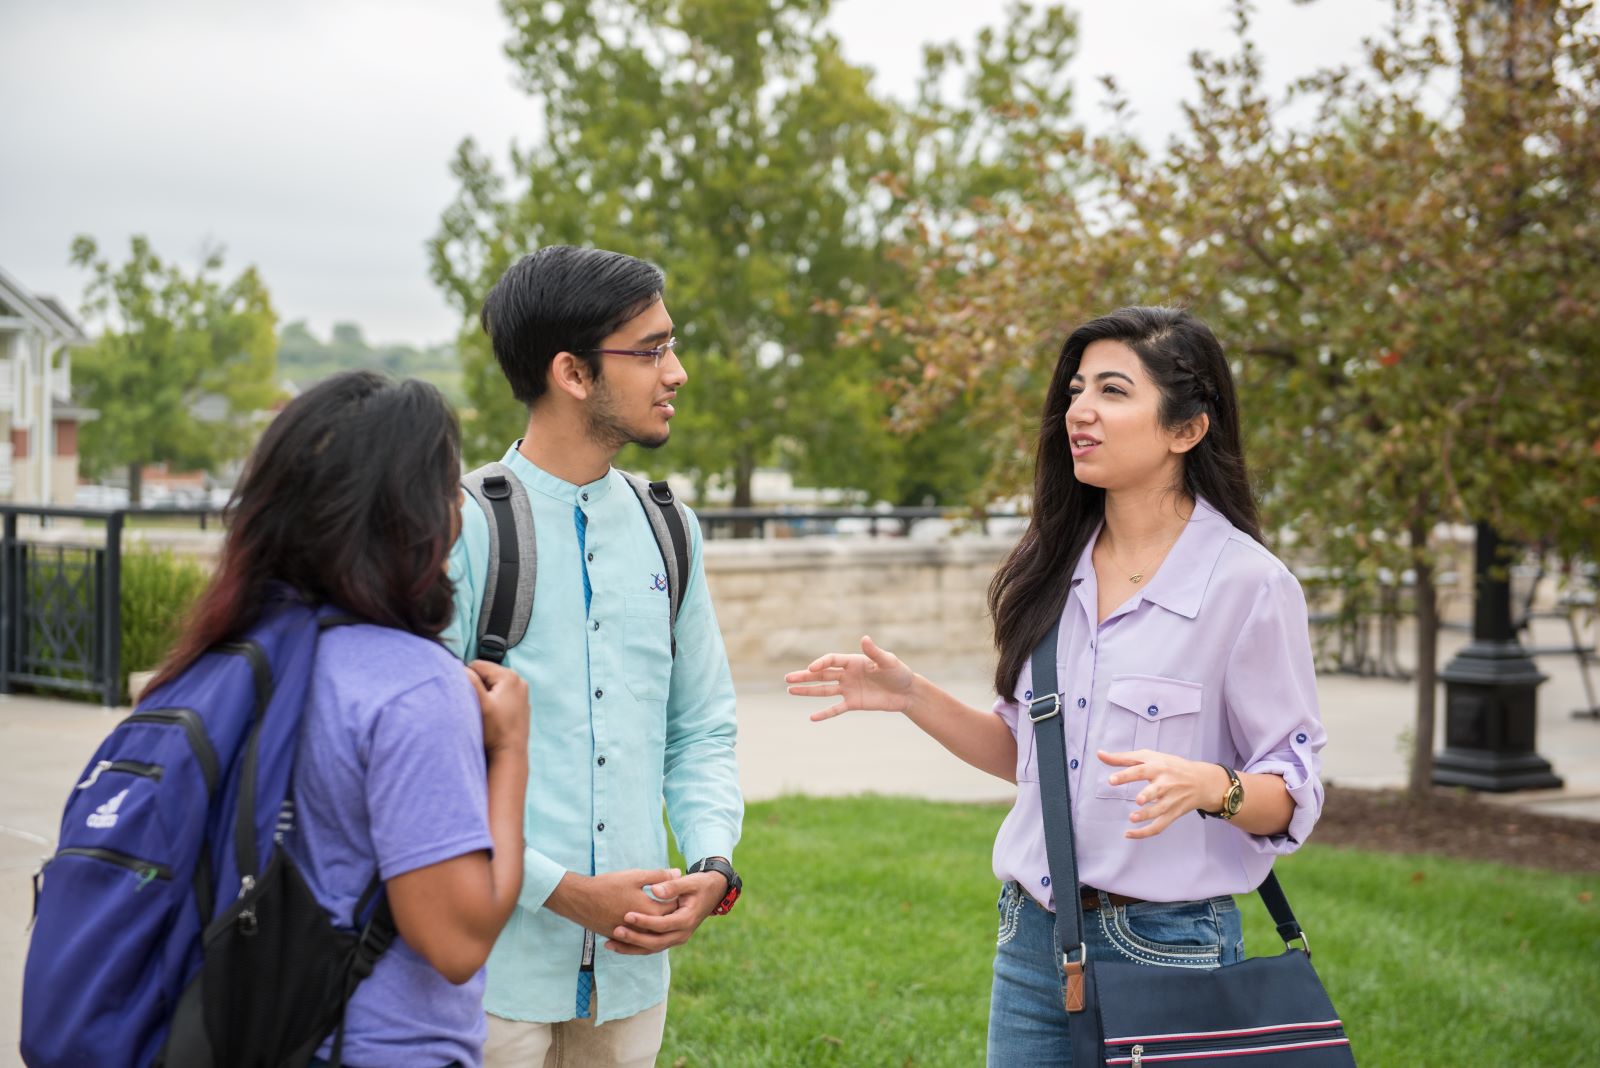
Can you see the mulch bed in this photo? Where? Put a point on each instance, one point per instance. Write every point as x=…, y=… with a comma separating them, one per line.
x=1457, y=824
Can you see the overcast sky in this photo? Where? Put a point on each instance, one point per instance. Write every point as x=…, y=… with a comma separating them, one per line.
x=311, y=138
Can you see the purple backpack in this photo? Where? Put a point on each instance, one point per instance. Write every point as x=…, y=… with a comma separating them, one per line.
x=170, y=927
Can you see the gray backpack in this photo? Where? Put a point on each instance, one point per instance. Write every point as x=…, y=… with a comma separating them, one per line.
x=508, y=587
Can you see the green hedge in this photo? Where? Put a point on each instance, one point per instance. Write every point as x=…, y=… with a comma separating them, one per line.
x=157, y=589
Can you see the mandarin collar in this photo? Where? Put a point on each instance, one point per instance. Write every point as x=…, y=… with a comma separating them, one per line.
x=537, y=478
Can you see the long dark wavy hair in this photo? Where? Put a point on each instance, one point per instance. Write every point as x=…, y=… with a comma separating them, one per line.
x=1184, y=359
x=347, y=500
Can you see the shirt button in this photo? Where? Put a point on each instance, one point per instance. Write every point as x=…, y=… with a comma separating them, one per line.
x=600, y=826
x=1074, y=764
x=599, y=694
x=1153, y=710
x=591, y=558
x=1045, y=881
x=1301, y=738
x=1082, y=702
x=601, y=762
x=595, y=625
x=1027, y=695
x=585, y=496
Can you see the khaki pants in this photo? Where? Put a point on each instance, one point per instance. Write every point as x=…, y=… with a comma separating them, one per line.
x=628, y=1043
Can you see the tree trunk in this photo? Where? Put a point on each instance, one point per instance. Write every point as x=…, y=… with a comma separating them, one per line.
x=743, y=497
x=135, y=484
x=1427, y=667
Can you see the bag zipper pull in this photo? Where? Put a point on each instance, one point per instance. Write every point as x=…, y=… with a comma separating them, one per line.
x=247, y=918
x=95, y=774
x=38, y=883
x=1138, y=1056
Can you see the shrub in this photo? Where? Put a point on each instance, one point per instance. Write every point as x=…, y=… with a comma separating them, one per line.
x=157, y=589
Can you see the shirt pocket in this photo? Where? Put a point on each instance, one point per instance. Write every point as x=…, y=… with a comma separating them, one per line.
x=1146, y=712
x=647, y=646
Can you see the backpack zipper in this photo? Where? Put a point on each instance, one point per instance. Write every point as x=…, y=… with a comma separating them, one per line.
x=130, y=767
x=186, y=718
x=147, y=869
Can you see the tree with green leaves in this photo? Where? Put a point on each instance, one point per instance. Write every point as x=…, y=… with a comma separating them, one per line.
x=180, y=365
x=730, y=142
x=1406, y=280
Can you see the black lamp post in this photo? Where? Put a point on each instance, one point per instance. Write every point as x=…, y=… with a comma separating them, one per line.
x=1490, y=704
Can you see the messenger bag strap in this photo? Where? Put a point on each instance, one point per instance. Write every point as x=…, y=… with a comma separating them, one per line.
x=1055, y=799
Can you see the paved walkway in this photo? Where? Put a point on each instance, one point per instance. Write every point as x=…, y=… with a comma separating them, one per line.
x=45, y=743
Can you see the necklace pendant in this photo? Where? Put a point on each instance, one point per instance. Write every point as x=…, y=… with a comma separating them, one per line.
x=1136, y=578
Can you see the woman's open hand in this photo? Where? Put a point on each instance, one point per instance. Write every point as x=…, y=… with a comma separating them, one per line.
x=871, y=679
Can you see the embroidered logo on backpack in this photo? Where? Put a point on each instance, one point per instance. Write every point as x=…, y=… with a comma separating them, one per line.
x=106, y=815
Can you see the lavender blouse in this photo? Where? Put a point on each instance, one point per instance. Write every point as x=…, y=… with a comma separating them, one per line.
x=1210, y=661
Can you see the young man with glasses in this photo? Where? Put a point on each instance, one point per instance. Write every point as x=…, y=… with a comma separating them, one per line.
x=629, y=708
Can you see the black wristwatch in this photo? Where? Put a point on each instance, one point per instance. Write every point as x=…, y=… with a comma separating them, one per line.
x=1231, y=801
x=724, y=869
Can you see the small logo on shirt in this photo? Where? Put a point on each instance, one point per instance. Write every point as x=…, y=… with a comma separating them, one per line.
x=658, y=582
x=106, y=815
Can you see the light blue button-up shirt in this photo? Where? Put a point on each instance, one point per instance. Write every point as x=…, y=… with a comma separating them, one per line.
x=618, y=725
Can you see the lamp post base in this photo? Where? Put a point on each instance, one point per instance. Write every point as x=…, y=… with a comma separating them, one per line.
x=1490, y=721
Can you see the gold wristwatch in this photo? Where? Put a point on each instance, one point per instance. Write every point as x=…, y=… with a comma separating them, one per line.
x=1232, y=800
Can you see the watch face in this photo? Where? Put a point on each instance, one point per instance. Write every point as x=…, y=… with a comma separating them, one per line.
x=1234, y=799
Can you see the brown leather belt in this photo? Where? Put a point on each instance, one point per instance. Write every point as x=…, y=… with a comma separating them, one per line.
x=1090, y=898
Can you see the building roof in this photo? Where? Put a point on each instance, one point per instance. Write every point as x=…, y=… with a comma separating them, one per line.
x=43, y=313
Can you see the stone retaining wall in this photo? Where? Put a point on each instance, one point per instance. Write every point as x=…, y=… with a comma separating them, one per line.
x=785, y=602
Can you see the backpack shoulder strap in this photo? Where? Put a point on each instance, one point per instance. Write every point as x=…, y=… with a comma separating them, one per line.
x=508, y=586
x=669, y=521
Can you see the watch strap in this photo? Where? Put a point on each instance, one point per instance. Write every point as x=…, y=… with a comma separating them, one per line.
x=1222, y=812
x=733, y=884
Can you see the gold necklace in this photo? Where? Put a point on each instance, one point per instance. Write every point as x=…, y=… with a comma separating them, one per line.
x=1138, y=575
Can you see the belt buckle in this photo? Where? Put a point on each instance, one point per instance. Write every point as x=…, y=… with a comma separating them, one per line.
x=1034, y=713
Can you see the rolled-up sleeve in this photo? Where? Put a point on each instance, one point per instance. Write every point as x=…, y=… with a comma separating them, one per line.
x=1271, y=692
x=701, y=775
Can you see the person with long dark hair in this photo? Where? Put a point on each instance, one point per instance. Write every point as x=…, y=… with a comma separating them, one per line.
x=407, y=765
x=1185, y=675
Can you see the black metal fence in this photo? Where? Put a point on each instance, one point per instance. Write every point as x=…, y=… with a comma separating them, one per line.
x=61, y=601
x=770, y=522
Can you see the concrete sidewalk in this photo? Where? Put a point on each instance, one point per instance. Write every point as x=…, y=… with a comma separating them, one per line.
x=45, y=743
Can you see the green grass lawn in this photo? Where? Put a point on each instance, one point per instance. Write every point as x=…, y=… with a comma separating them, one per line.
x=866, y=934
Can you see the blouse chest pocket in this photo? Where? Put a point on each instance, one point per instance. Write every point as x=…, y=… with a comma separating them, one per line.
x=647, y=646
x=1147, y=712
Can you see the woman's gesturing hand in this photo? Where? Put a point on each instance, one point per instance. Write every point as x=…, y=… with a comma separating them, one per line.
x=1173, y=787
x=871, y=679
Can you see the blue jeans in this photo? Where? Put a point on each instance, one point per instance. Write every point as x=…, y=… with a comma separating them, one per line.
x=1027, y=1020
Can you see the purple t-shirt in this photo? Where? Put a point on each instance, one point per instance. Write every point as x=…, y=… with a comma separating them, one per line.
x=390, y=776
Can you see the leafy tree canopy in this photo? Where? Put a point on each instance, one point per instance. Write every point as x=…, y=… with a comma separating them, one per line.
x=731, y=143
x=304, y=358
x=1406, y=279
x=180, y=364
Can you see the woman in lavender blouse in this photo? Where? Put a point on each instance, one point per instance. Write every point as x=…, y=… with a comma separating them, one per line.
x=1184, y=673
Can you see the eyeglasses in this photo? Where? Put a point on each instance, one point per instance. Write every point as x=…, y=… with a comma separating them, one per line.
x=654, y=354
